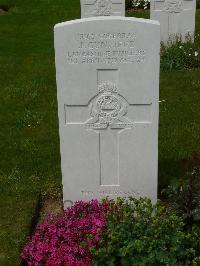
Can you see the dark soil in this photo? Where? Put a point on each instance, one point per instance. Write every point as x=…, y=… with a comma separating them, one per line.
x=49, y=205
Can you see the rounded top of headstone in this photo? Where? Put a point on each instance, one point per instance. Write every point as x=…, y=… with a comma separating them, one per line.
x=106, y=19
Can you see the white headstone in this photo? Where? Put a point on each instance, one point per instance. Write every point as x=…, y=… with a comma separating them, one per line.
x=108, y=90
x=95, y=8
x=176, y=17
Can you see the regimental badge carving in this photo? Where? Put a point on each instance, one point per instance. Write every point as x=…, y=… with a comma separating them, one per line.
x=108, y=109
x=173, y=6
x=103, y=8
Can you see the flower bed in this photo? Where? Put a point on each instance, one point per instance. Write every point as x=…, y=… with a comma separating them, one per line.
x=121, y=232
x=178, y=55
x=137, y=4
x=67, y=239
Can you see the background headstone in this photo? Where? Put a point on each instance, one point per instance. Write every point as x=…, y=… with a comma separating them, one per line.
x=95, y=8
x=108, y=90
x=176, y=17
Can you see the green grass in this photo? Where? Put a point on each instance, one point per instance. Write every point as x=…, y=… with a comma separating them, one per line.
x=29, y=158
x=179, y=121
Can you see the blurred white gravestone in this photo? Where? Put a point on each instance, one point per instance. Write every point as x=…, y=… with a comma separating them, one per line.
x=176, y=17
x=108, y=90
x=95, y=8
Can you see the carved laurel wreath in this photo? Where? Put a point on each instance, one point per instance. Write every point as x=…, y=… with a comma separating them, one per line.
x=173, y=6
x=103, y=8
x=108, y=106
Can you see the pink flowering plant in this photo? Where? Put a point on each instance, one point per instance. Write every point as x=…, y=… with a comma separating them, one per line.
x=67, y=239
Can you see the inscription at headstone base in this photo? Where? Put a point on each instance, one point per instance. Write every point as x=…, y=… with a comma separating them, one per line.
x=95, y=8
x=176, y=17
x=108, y=90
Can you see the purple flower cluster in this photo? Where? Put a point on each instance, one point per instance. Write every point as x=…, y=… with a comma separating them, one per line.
x=67, y=239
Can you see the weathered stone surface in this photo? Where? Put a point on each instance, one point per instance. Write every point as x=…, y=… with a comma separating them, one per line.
x=176, y=17
x=95, y=8
x=108, y=90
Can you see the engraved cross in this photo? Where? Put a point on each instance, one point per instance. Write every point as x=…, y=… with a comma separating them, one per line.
x=110, y=115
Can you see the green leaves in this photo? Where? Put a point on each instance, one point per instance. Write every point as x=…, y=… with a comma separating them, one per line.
x=183, y=194
x=180, y=55
x=143, y=234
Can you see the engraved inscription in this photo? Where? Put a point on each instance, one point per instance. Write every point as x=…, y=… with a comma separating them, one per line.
x=108, y=109
x=105, y=193
x=173, y=6
x=103, y=8
x=106, y=48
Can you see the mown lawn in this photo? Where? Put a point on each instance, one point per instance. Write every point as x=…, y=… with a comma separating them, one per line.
x=29, y=157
